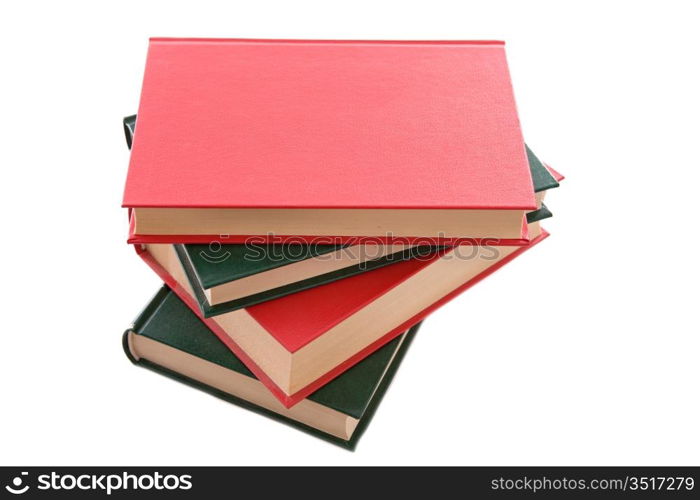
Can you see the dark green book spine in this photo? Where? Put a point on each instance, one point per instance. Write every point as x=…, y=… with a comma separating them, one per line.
x=542, y=179
x=129, y=123
x=538, y=215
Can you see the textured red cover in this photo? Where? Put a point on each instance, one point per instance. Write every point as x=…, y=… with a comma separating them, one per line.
x=328, y=124
x=296, y=319
x=299, y=318
x=557, y=176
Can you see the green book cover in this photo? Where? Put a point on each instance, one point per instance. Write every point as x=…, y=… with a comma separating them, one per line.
x=167, y=337
x=538, y=215
x=542, y=179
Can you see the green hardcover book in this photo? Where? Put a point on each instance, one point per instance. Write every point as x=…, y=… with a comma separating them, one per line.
x=168, y=338
x=542, y=178
x=234, y=276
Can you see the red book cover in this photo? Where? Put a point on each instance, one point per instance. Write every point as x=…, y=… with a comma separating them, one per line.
x=557, y=176
x=299, y=320
x=280, y=124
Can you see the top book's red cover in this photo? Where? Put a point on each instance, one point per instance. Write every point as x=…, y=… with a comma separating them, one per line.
x=327, y=124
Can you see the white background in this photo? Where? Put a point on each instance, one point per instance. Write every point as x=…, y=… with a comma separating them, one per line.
x=583, y=351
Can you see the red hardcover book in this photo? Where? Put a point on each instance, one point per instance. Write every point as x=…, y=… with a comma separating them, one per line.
x=349, y=139
x=297, y=343
x=559, y=177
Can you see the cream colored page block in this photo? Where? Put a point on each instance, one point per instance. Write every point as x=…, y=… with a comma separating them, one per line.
x=165, y=255
x=270, y=356
x=386, y=313
x=307, y=412
x=336, y=222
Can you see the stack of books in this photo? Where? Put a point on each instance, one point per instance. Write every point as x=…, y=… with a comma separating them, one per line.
x=309, y=203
